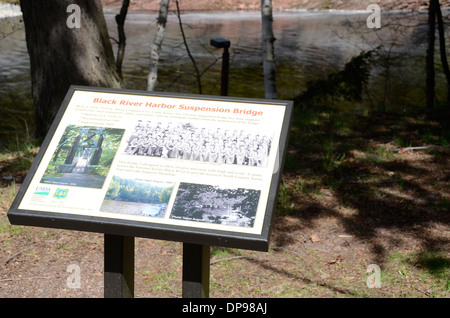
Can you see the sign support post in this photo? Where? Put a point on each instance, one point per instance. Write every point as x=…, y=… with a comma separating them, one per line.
x=119, y=266
x=196, y=259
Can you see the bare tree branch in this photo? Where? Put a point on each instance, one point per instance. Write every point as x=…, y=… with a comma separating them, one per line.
x=120, y=19
x=197, y=72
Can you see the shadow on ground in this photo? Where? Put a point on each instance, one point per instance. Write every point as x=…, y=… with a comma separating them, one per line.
x=361, y=172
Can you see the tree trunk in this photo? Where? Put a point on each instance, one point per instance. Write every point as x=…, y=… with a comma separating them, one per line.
x=442, y=49
x=120, y=20
x=156, y=46
x=62, y=55
x=430, y=54
x=268, y=39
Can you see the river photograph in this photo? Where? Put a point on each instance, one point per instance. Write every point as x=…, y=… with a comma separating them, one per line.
x=363, y=205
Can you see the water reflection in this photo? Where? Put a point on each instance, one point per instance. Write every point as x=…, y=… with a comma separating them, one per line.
x=309, y=45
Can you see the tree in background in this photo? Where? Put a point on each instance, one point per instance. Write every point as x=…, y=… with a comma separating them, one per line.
x=435, y=13
x=442, y=50
x=156, y=45
x=62, y=54
x=121, y=43
x=268, y=50
x=430, y=82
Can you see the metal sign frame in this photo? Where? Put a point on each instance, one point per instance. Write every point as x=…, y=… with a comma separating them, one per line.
x=191, y=234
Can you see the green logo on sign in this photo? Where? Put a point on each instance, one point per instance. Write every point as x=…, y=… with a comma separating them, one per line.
x=60, y=193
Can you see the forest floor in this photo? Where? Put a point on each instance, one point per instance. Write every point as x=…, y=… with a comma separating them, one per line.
x=353, y=194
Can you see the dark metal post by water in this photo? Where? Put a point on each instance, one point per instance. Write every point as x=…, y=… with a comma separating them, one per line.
x=195, y=271
x=225, y=44
x=119, y=266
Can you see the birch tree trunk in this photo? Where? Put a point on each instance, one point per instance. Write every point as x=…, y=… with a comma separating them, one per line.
x=62, y=54
x=156, y=45
x=268, y=40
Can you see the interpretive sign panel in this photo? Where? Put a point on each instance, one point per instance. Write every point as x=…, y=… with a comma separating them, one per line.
x=191, y=168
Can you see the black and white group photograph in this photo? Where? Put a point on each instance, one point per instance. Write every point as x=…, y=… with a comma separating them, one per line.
x=187, y=141
x=214, y=204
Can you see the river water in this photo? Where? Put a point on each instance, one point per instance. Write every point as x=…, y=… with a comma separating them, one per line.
x=309, y=45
